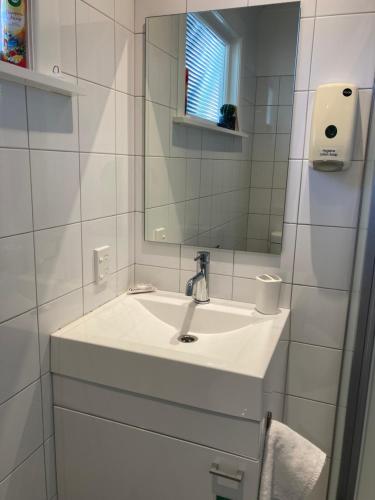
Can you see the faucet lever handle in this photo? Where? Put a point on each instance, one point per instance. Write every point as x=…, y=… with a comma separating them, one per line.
x=203, y=256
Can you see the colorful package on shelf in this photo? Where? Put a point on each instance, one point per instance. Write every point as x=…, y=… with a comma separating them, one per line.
x=13, y=32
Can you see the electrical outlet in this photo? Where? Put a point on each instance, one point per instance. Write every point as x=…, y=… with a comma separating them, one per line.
x=102, y=260
x=160, y=234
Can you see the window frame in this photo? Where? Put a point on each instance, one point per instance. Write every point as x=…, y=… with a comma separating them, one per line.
x=217, y=23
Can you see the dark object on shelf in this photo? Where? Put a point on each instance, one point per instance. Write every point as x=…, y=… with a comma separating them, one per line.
x=228, y=116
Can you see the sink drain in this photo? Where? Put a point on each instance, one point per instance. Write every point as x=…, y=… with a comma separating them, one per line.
x=187, y=339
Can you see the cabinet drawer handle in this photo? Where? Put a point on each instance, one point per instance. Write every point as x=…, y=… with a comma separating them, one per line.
x=237, y=476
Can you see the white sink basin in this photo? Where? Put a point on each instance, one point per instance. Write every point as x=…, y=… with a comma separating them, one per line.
x=132, y=343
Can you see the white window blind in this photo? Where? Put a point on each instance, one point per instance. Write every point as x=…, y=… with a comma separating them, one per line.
x=206, y=55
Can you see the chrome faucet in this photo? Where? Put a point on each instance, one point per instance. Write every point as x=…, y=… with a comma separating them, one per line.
x=197, y=286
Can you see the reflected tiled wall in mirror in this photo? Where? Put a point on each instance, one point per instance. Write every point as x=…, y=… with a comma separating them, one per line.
x=212, y=186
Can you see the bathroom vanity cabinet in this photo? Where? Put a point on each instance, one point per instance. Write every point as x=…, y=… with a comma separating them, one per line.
x=120, y=434
x=135, y=448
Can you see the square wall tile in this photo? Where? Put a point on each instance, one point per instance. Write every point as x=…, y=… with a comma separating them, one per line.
x=15, y=211
x=125, y=178
x=278, y=202
x=305, y=44
x=148, y=8
x=125, y=240
x=162, y=31
x=159, y=68
x=314, y=372
x=260, y=201
x=124, y=124
x=158, y=123
x=264, y=147
x=49, y=449
x=58, y=261
x=265, y=119
x=53, y=316
x=19, y=354
x=299, y=120
x=97, y=294
x=312, y=420
x=250, y=265
x=124, y=13
x=258, y=226
x=68, y=42
x=22, y=431
x=47, y=402
x=284, y=120
x=220, y=286
x=363, y=116
x=163, y=278
x=124, y=60
x=13, y=122
x=97, y=109
x=105, y=6
x=139, y=126
x=293, y=191
x=280, y=175
x=339, y=39
x=286, y=91
x=282, y=147
x=95, y=54
x=97, y=233
x=267, y=91
x=324, y=8
x=308, y=8
x=139, y=184
x=17, y=275
x=139, y=66
x=52, y=119
x=320, y=192
x=319, y=316
x=200, y=5
x=98, y=185
x=125, y=279
x=307, y=129
x=55, y=182
x=261, y=174
x=324, y=256
x=29, y=476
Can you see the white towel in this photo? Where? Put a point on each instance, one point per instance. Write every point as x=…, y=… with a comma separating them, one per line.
x=292, y=465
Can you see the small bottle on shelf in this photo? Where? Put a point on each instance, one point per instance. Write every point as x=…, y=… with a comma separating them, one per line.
x=13, y=32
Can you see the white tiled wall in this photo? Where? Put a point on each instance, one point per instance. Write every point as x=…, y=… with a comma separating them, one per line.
x=54, y=151
x=66, y=187
x=336, y=42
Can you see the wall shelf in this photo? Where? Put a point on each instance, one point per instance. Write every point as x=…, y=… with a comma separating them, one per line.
x=56, y=84
x=191, y=121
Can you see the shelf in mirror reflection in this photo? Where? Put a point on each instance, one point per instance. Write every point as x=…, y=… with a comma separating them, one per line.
x=192, y=121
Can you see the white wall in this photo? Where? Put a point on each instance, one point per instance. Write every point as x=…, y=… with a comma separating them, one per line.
x=66, y=187
x=336, y=43
x=45, y=271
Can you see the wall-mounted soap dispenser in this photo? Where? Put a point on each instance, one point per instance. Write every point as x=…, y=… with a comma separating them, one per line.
x=333, y=126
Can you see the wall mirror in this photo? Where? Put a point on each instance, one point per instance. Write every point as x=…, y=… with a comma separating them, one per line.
x=218, y=115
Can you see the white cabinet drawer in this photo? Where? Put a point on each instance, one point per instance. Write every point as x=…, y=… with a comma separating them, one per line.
x=230, y=434
x=98, y=459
